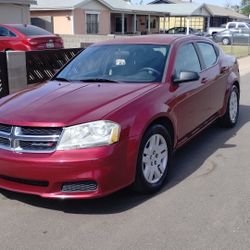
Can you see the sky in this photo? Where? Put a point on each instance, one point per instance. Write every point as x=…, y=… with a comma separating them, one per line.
x=215, y=2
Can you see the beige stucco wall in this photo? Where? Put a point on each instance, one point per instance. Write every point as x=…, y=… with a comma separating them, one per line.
x=62, y=20
x=14, y=13
x=104, y=22
x=94, y=6
x=63, y=24
x=79, y=21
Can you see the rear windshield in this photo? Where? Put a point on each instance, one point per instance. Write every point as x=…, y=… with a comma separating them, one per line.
x=30, y=30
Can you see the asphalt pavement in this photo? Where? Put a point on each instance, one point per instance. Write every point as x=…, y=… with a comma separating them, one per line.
x=205, y=205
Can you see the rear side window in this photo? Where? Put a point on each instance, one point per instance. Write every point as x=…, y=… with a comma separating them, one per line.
x=30, y=30
x=6, y=32
x=186, y=60
x=241, y=26
x=208, y=54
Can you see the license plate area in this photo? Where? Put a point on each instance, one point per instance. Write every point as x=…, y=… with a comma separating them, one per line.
x=50, y=45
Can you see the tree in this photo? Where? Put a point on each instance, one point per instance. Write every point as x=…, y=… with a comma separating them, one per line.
x=246, y=10
x=245, y=3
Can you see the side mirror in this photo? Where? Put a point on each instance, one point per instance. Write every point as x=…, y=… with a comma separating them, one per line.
x=186, y=76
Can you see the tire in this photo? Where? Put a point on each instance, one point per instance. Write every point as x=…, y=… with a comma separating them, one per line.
x=153, y=161
x=230, y=118
x=226, y=41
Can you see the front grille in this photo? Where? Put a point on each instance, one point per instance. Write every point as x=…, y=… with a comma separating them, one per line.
x=4, y=142
x=80, y=186
x=41, y=131
x=5, y=128
x=41, y=146
x=25, y=181
x=29, y=139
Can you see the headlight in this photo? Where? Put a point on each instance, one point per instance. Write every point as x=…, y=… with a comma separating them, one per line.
x=92, y=134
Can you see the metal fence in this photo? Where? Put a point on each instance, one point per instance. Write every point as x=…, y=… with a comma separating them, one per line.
x=42, y=65
x=4, y=86
x=234, y=42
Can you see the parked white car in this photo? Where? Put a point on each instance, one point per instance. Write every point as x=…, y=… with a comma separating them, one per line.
x=229, y=25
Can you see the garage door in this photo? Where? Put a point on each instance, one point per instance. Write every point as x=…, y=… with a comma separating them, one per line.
x=13, y=14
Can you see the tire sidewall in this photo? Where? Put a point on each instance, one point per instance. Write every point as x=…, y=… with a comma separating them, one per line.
x=225, y=39
x=141, y=183
x=233, y=89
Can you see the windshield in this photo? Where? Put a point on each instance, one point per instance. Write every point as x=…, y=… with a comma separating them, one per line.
x=118, y=63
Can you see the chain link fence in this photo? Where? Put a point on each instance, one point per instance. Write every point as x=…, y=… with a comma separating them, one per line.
x=234, y=42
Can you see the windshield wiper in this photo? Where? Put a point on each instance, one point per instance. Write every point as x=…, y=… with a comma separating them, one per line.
x=61, y=79
x=97, y=80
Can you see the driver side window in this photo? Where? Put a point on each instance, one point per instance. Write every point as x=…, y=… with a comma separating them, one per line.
x=186, y=60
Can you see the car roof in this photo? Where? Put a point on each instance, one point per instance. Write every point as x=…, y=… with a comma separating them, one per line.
x=164, y=39
x=16, y=25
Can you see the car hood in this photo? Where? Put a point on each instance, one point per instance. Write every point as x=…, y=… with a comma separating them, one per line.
x=63, y=103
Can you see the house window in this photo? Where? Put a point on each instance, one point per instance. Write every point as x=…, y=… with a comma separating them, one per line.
x=92, y=23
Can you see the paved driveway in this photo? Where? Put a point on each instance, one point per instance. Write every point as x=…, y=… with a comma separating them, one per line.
x=206, y=204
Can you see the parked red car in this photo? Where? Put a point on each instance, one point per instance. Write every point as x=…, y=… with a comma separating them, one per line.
x=27, y=37
x=113, y=116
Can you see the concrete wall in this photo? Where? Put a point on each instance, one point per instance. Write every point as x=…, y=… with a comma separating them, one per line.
x=74, y=41
x=17, y=72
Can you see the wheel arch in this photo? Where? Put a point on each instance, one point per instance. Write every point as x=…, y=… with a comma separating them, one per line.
x=165, y=122
x=237, y=84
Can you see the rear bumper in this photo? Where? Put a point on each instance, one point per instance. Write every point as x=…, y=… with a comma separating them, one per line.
x=46, y=174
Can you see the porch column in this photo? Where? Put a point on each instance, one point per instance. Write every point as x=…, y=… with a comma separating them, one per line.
x=164, y=24
x=123, y=22
x=135, y=18
x=149, y=21
x=208, y=24
x=188, y=25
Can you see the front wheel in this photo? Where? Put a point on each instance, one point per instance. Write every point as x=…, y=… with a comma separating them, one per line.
x=153, y=159
x=230, y=118
x=226, y=41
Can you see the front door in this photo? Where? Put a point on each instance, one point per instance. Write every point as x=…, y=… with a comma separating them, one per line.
x=193, y=98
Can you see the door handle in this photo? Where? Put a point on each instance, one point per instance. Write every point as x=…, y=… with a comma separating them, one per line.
x=224, y=69
x=204, y=80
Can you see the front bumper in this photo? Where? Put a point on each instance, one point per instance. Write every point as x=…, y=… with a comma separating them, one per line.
x=45, y=174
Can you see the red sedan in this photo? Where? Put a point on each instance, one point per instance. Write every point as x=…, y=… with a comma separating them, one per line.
x=27, y=37
x=114, y=115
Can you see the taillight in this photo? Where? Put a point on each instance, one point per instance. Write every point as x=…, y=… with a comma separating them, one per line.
x=32, y=42
x=59, y=40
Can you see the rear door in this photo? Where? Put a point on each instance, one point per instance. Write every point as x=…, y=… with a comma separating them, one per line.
x=215, y=75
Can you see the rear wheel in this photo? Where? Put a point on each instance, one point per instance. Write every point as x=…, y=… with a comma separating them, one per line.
x=226, y=41
x=153, y=160
x=230, y=118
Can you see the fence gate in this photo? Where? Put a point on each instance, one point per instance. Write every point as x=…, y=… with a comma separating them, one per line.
x=4, y=86
x=42, y=65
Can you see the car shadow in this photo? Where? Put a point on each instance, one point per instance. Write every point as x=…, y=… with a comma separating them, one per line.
x=187, y=160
